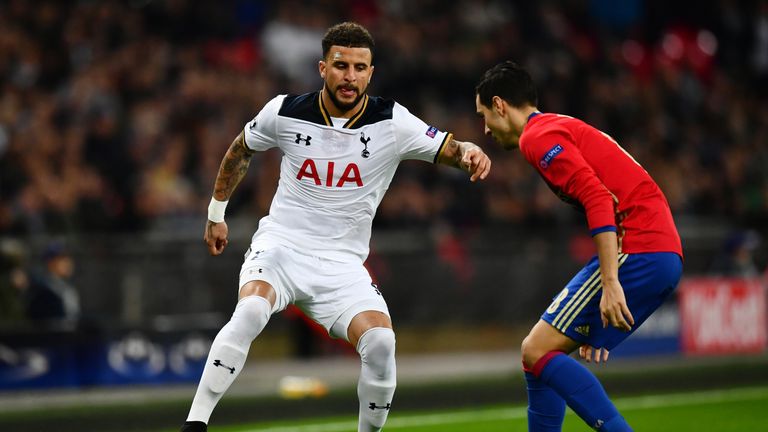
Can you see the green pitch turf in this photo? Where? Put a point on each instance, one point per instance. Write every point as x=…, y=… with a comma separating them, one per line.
x=733, y=410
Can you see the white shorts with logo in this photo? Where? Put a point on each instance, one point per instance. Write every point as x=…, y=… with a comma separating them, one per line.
x=329, y=292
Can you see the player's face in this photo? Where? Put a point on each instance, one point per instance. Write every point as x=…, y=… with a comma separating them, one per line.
x=497, y=126
x=346, y=72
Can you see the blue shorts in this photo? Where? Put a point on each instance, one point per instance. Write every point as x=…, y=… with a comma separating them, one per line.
x=647, y=278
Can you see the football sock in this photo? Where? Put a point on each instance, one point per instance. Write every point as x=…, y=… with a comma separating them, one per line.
x=227, y=356
x=546, y=409
x=377, y=377
x=194, y=426
x=581, y=391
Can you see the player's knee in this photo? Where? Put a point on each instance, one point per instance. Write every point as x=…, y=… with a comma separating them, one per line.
x=530, y=351
x=258, y=288
x=377, y=351
x=250, y=316
x=254, y=308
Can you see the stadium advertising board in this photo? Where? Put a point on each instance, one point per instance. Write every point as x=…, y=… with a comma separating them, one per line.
x=723, y=315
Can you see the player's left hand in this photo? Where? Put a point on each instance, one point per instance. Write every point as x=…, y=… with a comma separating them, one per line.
x=613, y=307
x=476, y=162
x=600, y=354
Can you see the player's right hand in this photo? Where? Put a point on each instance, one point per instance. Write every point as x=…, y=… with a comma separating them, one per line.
x=476, y=163
x=215, y=237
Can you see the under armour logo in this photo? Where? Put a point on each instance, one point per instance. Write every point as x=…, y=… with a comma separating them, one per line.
x=299, y=139
x=231, y=369
x=373, y=406
x=376, y=288
x=364, y=140
x=256, y=254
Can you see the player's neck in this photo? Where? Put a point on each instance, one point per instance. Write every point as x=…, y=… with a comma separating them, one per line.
x=530, y=112
x=335, y=111
x=518, y=118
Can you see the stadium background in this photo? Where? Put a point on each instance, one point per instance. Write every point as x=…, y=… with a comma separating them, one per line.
x=114, y=117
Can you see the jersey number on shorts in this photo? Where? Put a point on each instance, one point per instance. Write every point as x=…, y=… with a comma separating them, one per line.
x=556, y=302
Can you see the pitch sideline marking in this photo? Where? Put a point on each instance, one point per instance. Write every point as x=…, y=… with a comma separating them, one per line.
x=682, y=399
x=626, y=404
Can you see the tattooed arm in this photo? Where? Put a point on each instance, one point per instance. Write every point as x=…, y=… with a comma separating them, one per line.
x=233, y=168
x=466, y=156
x=231, y=172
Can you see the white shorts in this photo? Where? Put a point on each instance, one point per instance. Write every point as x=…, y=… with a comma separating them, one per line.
x=329, y=292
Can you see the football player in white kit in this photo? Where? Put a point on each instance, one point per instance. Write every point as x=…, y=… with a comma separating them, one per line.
x=340, y=148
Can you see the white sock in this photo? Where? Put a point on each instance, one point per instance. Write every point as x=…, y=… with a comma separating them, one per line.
x=377, y=377
x=228, y=352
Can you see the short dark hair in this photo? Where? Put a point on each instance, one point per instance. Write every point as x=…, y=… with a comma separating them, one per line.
x=347, y=34
x=508, y=81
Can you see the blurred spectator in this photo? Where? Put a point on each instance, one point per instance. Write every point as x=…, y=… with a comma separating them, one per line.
x=290, y=44
x=51, y=297
x=13, y=281
x=760, y=50
x=737, y=256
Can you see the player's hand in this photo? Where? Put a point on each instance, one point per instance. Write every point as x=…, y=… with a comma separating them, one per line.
x=216, y=237
x=476, y=162
x=613, y=307
x=587, y=351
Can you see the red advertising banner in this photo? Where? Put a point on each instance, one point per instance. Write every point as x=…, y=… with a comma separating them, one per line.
x=723, y=315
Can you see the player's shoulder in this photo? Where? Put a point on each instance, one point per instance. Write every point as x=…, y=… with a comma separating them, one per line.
x=301, y=106
x=563, y=122
x=549, y=124
x=382, y=106
x=403, y=117
x=546, y=122
x=272, y=106
x=544, y=131
x=375, y=110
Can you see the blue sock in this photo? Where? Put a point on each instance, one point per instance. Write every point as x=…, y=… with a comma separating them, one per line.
x=583, y=393
x=546, y=409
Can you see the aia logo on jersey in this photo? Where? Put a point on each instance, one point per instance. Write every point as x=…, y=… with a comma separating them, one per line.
x=546, y=161
x=351, y=174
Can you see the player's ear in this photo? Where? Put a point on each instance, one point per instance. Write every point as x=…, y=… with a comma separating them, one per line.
x=497, y=104
x=370, y=75
x=321, y=68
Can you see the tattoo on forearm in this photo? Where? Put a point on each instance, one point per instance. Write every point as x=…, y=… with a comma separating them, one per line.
x=453, y=151
x=233, y=168
x=448, y=152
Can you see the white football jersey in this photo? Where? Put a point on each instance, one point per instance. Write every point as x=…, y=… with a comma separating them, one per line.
x=332, y=178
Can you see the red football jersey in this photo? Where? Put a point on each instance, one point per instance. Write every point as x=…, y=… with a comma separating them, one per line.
x=587, y=168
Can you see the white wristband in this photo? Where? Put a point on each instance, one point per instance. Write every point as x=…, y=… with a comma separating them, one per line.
x=216, y=210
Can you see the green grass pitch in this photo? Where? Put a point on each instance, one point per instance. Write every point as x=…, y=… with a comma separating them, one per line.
x=732, y=410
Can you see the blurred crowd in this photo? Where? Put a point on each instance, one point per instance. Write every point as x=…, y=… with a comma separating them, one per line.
x=114, y=115
x=43, y=294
